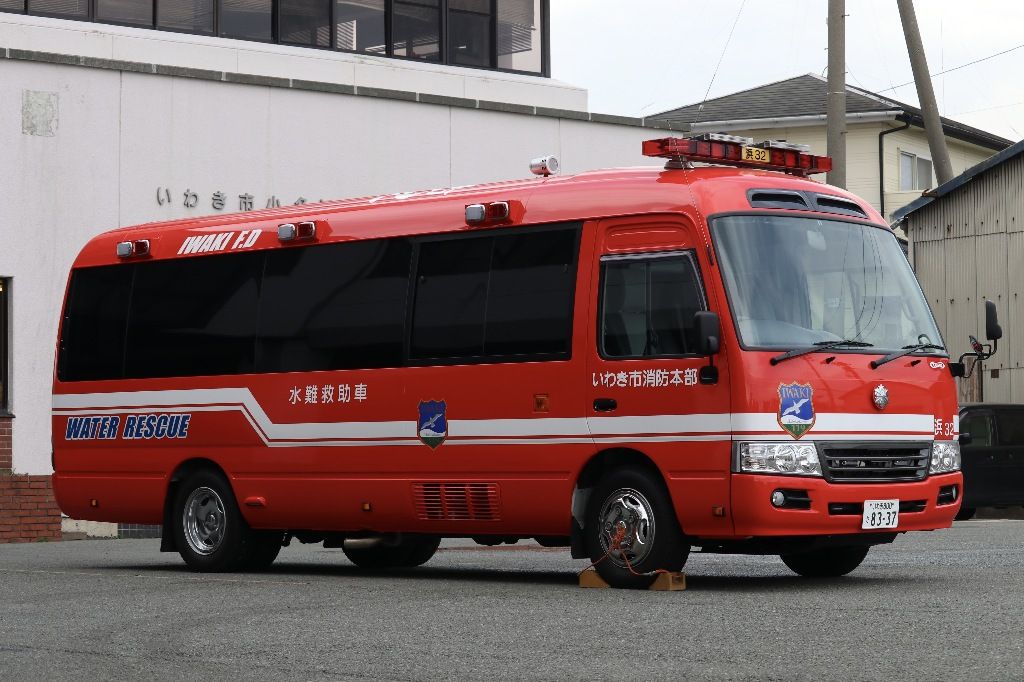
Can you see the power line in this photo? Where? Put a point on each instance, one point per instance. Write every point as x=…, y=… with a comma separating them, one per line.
x=735, y=21
x=957, y=68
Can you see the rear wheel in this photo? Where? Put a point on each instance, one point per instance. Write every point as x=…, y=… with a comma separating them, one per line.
x=631, y=529
x=209, y=531
x=401, y=551
x=826, y=563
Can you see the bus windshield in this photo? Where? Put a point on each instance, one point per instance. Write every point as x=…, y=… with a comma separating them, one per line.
x=795, y=282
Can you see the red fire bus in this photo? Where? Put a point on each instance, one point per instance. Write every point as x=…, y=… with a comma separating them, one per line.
x=630, y=363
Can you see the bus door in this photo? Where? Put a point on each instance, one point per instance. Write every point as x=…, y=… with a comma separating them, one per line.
x=644, y=378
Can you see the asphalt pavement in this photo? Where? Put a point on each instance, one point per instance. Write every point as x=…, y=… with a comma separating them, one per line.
x=932, y=606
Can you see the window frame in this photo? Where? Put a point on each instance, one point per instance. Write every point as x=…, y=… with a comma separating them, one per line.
x=577, y=226
x=6, y=357
x=689, y=254
x=915, y=174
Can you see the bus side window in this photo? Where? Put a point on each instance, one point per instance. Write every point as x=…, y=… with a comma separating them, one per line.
x=648, y=306
x=980, y=428
x=504, y=295
x=92, y=339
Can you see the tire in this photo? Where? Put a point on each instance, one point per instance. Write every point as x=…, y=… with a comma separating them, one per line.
x=825, y=563
x=404, y=551
x=209, y=531
x=966, y=513
x=265, y=548
x=636, y=503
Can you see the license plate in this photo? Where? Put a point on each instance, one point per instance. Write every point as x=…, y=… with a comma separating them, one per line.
x=756, y=154
x=880, y=514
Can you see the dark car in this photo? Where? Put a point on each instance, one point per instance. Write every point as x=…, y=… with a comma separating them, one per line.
x=992, y=453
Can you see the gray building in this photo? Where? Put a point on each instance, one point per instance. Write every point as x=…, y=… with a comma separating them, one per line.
x=967, y=246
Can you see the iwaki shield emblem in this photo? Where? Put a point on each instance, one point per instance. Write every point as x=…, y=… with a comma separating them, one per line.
x=796, y=408
x=433, y=423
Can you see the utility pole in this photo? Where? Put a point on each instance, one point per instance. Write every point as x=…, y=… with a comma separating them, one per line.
x=925, y=92
x=836, y=99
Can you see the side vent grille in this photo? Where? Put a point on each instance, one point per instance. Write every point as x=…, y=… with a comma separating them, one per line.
x=456, y=501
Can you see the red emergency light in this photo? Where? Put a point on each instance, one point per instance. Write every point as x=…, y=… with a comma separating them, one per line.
x=732, y=150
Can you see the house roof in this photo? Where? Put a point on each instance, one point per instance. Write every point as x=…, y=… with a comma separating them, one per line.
x=806, y=96
x=945, y=188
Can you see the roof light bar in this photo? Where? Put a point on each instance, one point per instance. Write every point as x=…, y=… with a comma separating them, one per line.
x=731, y=150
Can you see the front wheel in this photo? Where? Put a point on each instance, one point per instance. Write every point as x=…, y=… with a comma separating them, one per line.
x=825, y=563
x=966, y=513
x=631, y=529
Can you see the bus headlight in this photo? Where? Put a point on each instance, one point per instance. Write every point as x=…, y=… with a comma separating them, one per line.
x=800, y=459
x=945, y=457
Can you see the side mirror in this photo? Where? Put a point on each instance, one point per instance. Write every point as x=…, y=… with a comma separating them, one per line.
x=993, y=332
x=709, y=330
x=957, y=369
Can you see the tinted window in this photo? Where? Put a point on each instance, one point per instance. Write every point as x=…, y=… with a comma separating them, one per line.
x=305, y=22
x=92, y=336
x=360, y=25
x=1010, y=426
x=530, y=297
x=469, y=32
x=648, y=306
x=14, y=5
x=416, y=29
x=194, y=316
x=69, y=8
x=337, y=306
x=519, y=35
x=980, y=428
x=125, y=11
x=185, y=15
x=246, y=19
x=451, y=294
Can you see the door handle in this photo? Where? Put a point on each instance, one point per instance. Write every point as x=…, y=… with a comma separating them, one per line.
x=605, y=404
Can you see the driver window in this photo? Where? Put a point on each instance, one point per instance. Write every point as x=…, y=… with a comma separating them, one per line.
x=648, y=306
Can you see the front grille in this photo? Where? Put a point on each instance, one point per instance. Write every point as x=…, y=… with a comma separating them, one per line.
x=874, y=463
x=456, y=501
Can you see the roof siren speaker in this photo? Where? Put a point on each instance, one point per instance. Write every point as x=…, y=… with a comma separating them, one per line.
x=545, y=165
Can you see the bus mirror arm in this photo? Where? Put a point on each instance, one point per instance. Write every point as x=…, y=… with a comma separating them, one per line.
x=709, y=331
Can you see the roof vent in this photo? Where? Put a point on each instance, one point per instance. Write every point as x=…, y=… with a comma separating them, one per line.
x=769, y=198
x=839, y=205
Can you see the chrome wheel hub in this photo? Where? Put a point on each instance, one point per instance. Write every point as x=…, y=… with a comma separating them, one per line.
x=627, y=527
x=204, y=521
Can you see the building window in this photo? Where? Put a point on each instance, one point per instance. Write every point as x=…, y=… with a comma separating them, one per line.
x=305, y=22
x=247, y=19
x=360, y=26
x=5, y=355
x=915, y=172
x=508, y=35
x=192, y=16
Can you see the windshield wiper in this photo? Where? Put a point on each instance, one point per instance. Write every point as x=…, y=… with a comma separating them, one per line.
x=906, y=350
x=818, y=345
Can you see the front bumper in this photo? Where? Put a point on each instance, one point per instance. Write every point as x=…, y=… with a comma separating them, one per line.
x=833, y=506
